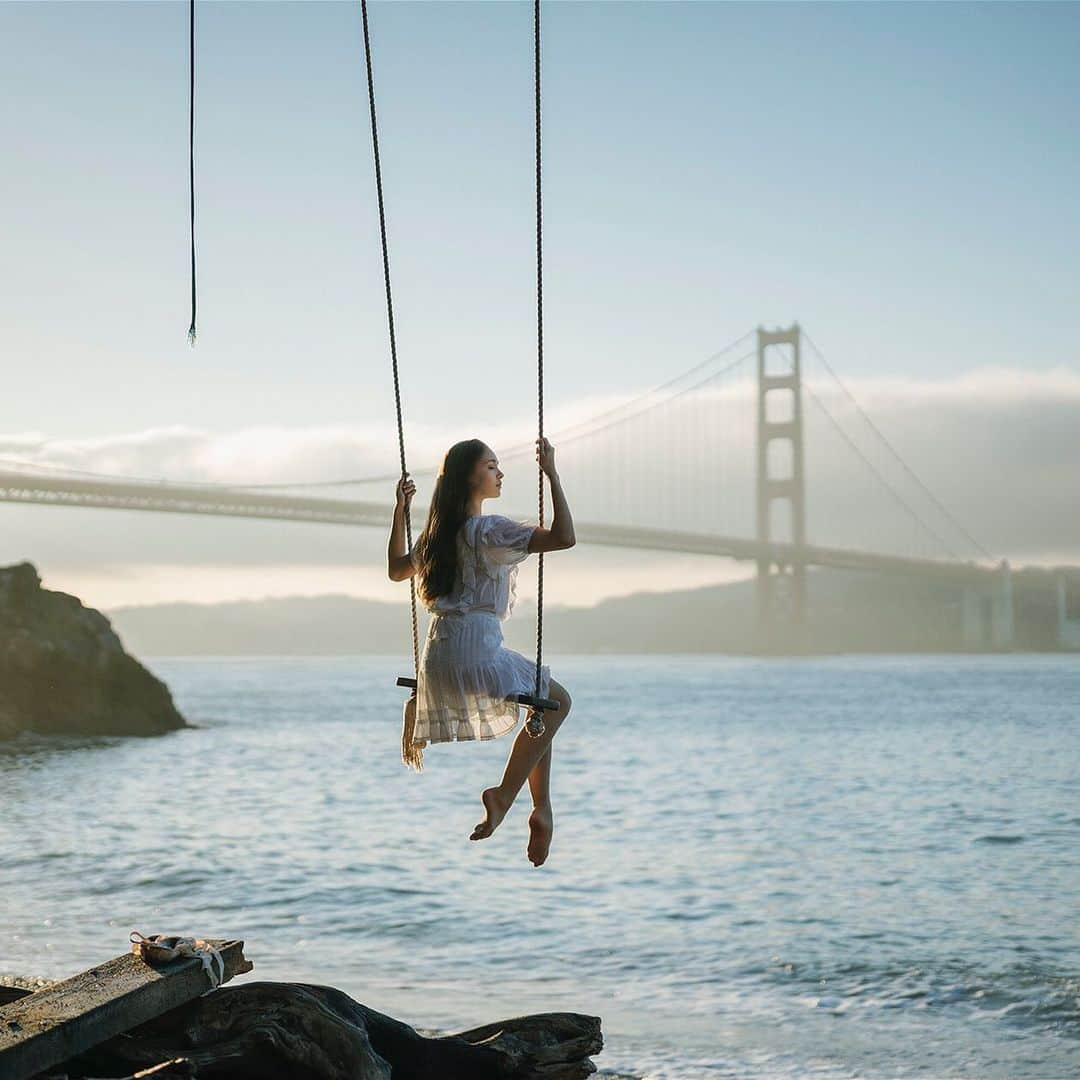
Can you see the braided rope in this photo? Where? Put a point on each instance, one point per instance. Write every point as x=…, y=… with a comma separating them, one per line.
x=539, y=344
x=410, y=754
x=191, y=158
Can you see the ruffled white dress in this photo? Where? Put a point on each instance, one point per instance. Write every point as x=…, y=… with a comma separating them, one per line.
x=466, y=673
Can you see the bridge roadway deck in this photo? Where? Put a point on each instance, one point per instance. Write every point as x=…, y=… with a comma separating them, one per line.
x=166, y=497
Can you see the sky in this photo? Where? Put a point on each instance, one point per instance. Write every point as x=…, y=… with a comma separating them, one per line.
x=900, y=178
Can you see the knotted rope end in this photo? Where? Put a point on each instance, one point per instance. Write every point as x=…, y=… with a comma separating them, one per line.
x=412, y=753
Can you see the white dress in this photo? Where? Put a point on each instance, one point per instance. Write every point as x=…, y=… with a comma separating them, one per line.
x=466, y=673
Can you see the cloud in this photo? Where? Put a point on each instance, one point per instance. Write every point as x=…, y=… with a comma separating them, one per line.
x=269, y=454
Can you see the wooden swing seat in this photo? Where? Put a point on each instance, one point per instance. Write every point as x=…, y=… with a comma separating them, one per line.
x=522, y=699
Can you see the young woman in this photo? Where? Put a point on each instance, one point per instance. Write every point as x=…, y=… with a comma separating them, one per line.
x=467, y=564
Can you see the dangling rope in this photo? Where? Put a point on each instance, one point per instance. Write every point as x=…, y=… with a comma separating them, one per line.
x=539, y=345
x=410, y=754
x=191, y=160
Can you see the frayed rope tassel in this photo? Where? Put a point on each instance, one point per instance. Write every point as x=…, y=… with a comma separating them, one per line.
x=412, y=754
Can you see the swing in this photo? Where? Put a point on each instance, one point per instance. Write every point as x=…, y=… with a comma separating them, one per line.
x=534, y=725
x=537, y=705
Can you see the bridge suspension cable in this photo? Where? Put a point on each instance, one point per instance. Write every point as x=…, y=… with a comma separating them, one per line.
x=877, y=473
x=956, y=524
x=575, y=434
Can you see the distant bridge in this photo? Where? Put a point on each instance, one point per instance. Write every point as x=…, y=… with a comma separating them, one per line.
x=171, y=498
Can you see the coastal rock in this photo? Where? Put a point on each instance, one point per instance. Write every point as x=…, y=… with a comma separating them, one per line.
x=63, y=669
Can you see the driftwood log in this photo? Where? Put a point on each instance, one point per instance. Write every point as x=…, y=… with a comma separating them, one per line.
x=308, y=1032
x=299, y=1031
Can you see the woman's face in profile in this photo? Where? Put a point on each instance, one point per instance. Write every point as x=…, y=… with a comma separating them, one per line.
x=487, y=477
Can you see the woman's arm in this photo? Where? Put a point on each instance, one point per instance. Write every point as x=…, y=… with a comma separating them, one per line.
x=561, y=534
x=399, y=564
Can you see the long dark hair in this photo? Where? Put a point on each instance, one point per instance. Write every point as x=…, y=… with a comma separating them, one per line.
x=436, y=546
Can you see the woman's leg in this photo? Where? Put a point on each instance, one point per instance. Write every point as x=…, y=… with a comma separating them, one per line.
x=525, y=755
x=540, y=779
x=541, y=820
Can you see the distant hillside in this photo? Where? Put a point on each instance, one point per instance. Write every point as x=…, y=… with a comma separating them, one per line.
x=849, y=612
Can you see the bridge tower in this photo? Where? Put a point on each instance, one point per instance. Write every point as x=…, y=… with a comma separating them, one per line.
x=781, y=582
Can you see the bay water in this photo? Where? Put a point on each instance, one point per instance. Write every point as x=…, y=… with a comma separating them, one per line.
x=839, y=867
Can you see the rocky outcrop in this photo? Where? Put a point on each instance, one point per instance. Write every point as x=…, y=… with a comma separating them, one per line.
x=64, y=669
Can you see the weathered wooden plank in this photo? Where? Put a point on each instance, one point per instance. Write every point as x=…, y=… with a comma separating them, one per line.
x=46, y=1028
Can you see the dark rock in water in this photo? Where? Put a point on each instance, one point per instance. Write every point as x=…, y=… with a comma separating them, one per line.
x=63, y=669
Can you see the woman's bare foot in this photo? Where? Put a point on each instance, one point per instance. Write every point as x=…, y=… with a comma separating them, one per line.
x=495, y=807
x=541, y=826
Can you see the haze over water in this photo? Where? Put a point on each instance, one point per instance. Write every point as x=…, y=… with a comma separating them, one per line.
x=840, y=867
